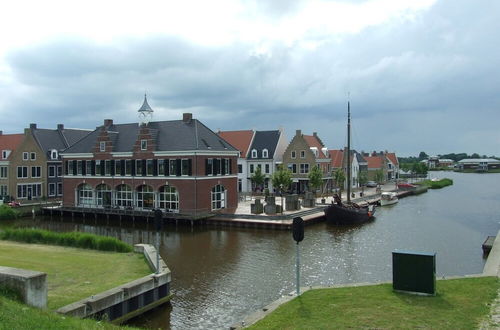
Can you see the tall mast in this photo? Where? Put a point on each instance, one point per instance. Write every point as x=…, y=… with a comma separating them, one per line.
x=348, y=152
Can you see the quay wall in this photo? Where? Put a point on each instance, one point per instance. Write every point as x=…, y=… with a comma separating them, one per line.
x=30, y=284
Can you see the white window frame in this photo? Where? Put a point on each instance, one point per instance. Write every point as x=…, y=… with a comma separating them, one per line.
x=293, y=154
x=54, y=169
x=102, y=146
x=168, y=199
x=218, y=197
x=302, y=154
x=144, y=144
x=26, y=155
x=254, y=153
x=59, y=189
x=4, y=190
x=53, y=155
x=5, y=154
x=265, y=153
x=22, y=172
x=54, y=187
x=38, y=171
x=4, y=172
x=32, y=155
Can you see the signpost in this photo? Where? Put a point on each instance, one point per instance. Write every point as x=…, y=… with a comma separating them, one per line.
x=298, y=236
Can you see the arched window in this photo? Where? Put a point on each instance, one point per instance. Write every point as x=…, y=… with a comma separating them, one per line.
x=265, y=153
x=145, y=197
x=123, y=196
x=218, y=197
x=169, y=199
x=254, y=153
x=85, y=195
x=103, y=195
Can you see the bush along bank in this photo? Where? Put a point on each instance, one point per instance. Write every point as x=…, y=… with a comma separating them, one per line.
x=437, y=184
x=72, y=239
x=8, y=213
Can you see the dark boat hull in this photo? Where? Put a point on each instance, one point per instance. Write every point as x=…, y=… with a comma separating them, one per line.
x=342, y=215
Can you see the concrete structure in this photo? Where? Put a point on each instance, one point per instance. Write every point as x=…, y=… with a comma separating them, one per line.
x=179, y=166
x=30, y=284
x=129, y=300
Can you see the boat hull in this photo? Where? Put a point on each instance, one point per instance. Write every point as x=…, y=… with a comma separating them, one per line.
x=342, y=215
x=385, y=202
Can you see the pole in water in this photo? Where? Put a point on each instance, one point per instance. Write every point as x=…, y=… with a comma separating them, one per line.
x=158, y=226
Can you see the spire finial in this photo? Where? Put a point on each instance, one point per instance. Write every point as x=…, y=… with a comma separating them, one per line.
x=145, y=112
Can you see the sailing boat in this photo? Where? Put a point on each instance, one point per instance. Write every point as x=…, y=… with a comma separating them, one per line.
x=348, y=213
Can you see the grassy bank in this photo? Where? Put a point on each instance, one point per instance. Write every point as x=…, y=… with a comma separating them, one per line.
x=436, y=184
x=14, y=316
x=8, y=213
x=459, y=304
x=74, y=274
x=73, y=239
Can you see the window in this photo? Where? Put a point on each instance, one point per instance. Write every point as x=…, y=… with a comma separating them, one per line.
x=98, y=167
x=102, y=146
x=118, y=167
x=4, y=170
x=240, y=168
x=88, y=167
x=265, y=153
x=107, y=167
x=59, y=189
x=161, y=166
x=52, y=171
x=59, y=170
x=79, y=167
x=304, y=168
x=5, y=154
x=293, y=168
x=226, y=166
x=53, y=154
x=85, y=195
x=138, y=167
x=3, y=190
x=103, y=195
x=254, y=153
x=123, y=195
x=52, y=189
x=293, y=154
x=33, y=156
x=173, y=167
x=22, y=172
x=209, y=166
x=145, y=197
x=186, y=167
x=218, y=197
x=302, y=154
x=29, y=191
x=144, y=144
x=69, y=163
x=267, y=168
x=36, y=171
x=169, y=199
x=251, y=168
x=128, y=167
x=149, y=167
x=26, y=155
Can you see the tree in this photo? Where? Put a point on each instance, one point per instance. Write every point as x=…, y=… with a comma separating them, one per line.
x=362, y=179
x=379, y=176
x=282, y=178
x=339, y=179
x=422, y=155
x=257, y=177
x=315, y=178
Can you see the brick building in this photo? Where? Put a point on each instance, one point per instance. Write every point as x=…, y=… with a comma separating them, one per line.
x=179, y=166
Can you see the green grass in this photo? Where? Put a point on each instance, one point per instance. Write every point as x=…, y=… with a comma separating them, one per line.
x=16, y=316
x=436, y=184
x=8, y=213
x=74, y=239
x=459, y=304
x=74, y=274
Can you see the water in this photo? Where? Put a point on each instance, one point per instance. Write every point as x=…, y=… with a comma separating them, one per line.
x=220, y=275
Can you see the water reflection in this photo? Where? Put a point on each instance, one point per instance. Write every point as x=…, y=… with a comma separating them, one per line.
x=222, y=274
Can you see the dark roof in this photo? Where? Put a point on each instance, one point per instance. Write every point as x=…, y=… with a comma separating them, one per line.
x=175, y=135
x=49, y=139
x=264, y=140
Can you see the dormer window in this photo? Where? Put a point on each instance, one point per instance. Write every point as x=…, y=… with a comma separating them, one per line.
x=26, y=155
x=254, y=153
x=102, y=146
x=144, y=144
x=5, y=154
x=53, y=154
x=265, y=153
x=33, y=156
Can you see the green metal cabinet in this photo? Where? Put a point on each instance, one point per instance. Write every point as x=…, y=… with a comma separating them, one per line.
x=414, y=272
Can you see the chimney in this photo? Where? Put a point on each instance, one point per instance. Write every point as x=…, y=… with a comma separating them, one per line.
x=60, y=127
x=315, y=134
x=187, y=117
x=1, y=132
x=298, y=132
x=108, y=122
x=32, y=126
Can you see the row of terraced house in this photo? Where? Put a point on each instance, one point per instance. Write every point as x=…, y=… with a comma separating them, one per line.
x=179, y=166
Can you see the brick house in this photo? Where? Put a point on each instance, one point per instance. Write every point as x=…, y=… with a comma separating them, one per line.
x=384, y=161
x=358, y=165
x=302, y=153
x=179, y=166
x=8, y=144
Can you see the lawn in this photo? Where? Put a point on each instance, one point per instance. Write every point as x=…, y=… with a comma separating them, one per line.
x=459, y=304
x=72, y=273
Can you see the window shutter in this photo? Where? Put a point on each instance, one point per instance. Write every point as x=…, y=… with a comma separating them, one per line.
x=155, y=167
x=223, y=167
x=179, y=167
x=206, y=167
x=74, y=167
x=103, y=167
x=133, y=167
x=167, y=167
x=122, y=167
x=84, y=167
x=92, y=167
x=230, y=166
x=190, y=167
x=112, y=167
x=144, y=169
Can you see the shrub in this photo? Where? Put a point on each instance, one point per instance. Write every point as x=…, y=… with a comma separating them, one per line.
x=7, y=212
x=73, y=239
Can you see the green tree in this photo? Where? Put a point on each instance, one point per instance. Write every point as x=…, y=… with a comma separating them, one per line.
x=379, y=176
x=362, y=179
x=257, y=177
x=339, y=179
x=282, y=179
x=315, y=178
x=422, y=155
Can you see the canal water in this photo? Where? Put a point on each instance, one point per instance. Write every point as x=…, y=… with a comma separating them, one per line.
x=221, y=274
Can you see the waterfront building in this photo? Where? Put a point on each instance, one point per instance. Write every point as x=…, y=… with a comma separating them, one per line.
x=301, y=154
x=435, y=162
x=358, y=165
x=35, y=166
x=479, y=164
x=384, y=161
x=178, y=166
x=8, y=144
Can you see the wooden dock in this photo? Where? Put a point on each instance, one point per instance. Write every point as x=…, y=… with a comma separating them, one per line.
x=488, y=244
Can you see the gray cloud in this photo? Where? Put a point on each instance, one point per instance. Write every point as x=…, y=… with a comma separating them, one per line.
x=428, y=84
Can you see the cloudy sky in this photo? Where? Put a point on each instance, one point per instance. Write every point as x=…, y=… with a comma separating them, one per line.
x=422, y=75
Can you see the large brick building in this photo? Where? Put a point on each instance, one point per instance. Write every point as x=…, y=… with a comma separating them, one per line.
x=179, y=166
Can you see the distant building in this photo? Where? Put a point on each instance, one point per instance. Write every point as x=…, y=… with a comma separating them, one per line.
x=8, y=145
x=386, y=162
x=358, y=165
x=479, y=164
x=436, y=162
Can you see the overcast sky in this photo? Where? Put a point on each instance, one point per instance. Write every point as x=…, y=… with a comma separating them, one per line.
x=422, y=75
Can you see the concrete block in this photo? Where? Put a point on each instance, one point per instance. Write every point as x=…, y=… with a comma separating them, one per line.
x=139, y=286
x=32, y=285
x=77, y=309
x=105, y=299
x=270, y=209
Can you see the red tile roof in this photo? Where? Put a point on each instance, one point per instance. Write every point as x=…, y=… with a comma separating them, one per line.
x=313, y=141
x=10, y=142
x=337, y=156
x=241, y=140
x=374, y=162
x=392, y=157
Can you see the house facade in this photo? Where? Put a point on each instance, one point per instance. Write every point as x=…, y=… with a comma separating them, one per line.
x=8, y=144
x=301, y=155
x=178, y=166
x=357, y=162
x=384, y=162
